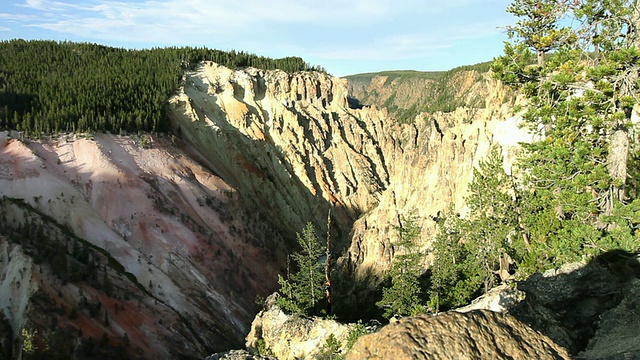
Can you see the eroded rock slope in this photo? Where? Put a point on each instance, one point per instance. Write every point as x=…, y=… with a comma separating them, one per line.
x=130, y=240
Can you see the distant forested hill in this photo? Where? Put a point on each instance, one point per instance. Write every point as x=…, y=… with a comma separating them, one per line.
x=408, y=93
x=47, y=86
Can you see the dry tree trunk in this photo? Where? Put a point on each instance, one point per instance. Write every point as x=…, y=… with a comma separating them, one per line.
x=328, y=265
x=619, y=144
x=617, y=166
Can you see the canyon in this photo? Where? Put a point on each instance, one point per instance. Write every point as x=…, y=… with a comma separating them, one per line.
x=166, y=241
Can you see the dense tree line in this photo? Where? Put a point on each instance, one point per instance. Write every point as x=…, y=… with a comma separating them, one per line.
x=49, y=87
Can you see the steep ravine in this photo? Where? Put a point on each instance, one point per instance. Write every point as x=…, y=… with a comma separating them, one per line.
x=291, y=145
x=185, y=231
x=286, y=141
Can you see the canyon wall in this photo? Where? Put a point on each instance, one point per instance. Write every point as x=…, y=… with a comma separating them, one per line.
x=132, y=237
x=407, y=94
x=292, y=145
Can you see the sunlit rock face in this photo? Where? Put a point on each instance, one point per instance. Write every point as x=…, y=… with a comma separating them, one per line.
x=291, y=144
x=291, y=336
x=131, y=237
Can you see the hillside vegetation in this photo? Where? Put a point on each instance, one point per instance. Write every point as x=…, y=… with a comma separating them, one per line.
x=48, y=86
x=408, y=93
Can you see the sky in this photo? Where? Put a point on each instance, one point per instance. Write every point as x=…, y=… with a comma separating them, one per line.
x=343, y=37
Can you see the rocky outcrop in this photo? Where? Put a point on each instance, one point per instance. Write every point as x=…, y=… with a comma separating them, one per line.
x=16, y=284
x=479, y=334
x=583, y=310
x=588, y=308
x=617, y=335
x=238, y=355
x=290, y=336
x=502, y=298
x=579, y=305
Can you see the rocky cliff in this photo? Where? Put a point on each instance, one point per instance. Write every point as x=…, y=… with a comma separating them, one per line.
x=293, y=147
x=161, y=244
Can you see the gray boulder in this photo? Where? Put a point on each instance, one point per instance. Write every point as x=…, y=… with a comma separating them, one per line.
x=618, y=334
x=478, y=334
x=568, y=304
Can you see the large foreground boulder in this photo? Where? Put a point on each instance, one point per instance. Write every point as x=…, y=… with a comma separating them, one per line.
x=478, y=334
x=291, y=336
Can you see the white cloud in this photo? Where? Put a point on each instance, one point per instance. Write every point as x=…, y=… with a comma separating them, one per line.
x=363, y=30
x=51, y=6
x=216, y=15
x=17, y=17
x=412, y=45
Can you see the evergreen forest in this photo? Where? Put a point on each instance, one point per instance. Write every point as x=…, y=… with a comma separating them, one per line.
x=48, y=87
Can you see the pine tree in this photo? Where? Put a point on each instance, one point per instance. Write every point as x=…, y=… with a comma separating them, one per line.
x=538, y=26
x=404, y=295
x=472, y=253
x=304, y=289
x=578, y=200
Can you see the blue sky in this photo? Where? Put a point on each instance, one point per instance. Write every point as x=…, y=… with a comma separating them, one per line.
x=344, y=37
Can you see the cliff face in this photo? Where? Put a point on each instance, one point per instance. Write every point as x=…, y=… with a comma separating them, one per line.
x=168, y=241
x=292, y=143
x=292, y=146
x=285, y=141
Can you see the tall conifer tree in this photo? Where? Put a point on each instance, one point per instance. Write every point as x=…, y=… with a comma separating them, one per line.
x=578, y=200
